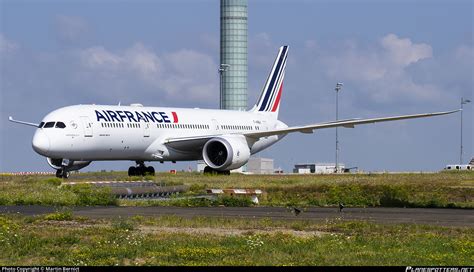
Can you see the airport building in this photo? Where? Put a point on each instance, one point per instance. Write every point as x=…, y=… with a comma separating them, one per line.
x=233, y=55
x=318, y=168
x=260, y=166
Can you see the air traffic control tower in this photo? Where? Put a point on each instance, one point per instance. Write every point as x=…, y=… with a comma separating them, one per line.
x=233, y=55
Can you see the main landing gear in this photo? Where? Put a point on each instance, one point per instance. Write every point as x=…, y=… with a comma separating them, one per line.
x=62, y=173
x=211, y=171
x=141, y=170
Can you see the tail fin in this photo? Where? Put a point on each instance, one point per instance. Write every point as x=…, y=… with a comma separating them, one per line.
x=269, y=100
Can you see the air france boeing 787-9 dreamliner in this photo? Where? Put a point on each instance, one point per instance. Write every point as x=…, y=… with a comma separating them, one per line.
x=72, y=137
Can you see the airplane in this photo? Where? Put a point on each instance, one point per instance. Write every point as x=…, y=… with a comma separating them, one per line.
x=74, y=136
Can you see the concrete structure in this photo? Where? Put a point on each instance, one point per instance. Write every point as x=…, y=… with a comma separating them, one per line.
x=260, y=166
x=318, y=168
x=253, y=193
x=200, y=166
x=233, y=55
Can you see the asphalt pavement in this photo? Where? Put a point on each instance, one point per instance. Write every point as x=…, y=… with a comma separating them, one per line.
x=443, y=217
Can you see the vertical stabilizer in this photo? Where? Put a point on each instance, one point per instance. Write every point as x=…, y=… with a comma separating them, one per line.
x=270, y=98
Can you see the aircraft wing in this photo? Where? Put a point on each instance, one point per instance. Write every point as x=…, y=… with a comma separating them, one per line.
x=350, y=123
x=188, y=143
x=22, y=122
x=198, y=142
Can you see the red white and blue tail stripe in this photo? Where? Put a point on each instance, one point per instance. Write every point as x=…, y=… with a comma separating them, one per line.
x=269, y=100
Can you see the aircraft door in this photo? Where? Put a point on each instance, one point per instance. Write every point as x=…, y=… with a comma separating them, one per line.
x=146, y=130
x=215, y=125
x=87, y=124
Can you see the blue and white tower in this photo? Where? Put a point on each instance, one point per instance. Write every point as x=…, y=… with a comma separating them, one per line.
x=233, y=55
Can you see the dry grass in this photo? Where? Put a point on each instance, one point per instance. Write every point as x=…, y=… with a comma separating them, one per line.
x=445, y=189
x=170, y=241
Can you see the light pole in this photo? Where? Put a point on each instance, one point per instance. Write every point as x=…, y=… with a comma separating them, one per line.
x=463, y=101
x=222, y=69
x=337, y=89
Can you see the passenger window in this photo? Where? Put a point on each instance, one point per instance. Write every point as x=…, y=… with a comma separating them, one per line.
x=49, y=125
x=41, y=125
x=60, y=125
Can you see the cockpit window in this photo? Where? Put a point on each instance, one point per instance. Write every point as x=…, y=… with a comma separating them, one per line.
x=41, y=125
x=49, y=125
x=60, y=125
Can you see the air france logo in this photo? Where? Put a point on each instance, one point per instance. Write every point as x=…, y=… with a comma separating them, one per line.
x=135, y=116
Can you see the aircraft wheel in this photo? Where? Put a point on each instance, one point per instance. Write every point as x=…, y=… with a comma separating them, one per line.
x=59, y=173
x=132, y=171
x=141, y=171
x=150, y=171
x=208, y=170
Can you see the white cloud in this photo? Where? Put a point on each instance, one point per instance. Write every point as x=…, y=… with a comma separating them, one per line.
x=142, y=61
x=403, y=52
x=181, y=75
x=465, y=53
x=190, y=72
x=380, y=71
x=99, y=58
x=6, y=45
x=355, y=65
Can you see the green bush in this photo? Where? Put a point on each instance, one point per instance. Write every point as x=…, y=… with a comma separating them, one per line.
x=52, y=181
x=234, y=201
x=88, y=195
x=123, y=224
x=59, y=216
x=198, y=188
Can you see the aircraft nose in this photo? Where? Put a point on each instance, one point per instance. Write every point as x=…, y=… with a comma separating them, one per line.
x=41, y=142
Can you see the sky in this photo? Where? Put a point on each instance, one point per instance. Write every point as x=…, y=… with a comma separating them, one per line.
x=394, y=58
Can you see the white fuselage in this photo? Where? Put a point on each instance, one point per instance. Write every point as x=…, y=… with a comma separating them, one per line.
x=99, y=132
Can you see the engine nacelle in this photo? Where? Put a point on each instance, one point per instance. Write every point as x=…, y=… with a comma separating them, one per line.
x=226, y=152
x=67, y=164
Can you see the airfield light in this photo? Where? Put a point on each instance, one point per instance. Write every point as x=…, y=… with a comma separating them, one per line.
x=222, y=69
x=337, y=89
x=463, y=102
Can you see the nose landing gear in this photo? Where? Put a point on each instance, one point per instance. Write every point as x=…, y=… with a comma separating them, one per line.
x=141, y=170
x=62, y=173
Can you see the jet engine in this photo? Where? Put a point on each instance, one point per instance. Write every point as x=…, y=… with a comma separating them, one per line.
x=226, y=152
x=68, y=165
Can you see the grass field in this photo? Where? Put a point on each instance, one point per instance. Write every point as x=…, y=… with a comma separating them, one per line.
x=445, y=189
x=61, y=239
